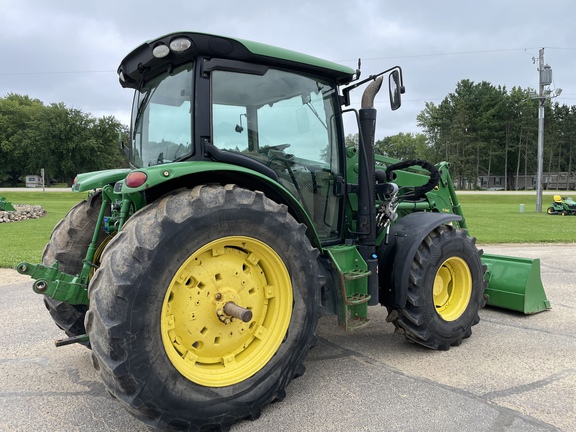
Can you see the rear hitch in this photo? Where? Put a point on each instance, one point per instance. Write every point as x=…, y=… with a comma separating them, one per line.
x=55, y=284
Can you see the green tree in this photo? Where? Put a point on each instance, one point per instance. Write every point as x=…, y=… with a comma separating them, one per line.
x=403, y=146
x=107, y=133
x=352, y=140
x=481, y=129
x=63, y=141
x=17, y=113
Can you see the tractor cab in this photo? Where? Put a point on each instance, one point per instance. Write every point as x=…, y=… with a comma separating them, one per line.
x=278, y=117
x=278, y=123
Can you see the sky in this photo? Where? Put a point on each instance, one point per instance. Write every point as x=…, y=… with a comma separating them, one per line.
x=69, y=50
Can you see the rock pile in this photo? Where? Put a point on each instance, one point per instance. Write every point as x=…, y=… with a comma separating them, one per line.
x=22, y=212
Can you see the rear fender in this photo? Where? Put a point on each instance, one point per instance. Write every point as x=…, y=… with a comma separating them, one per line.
x=395, y=258
x=164, y=178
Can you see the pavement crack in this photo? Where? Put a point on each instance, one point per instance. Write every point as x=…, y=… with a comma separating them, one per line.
x=525, y=328
x=528, y=387
x=505, y=416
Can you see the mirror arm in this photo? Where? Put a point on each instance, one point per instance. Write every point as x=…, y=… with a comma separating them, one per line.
x=346, y=91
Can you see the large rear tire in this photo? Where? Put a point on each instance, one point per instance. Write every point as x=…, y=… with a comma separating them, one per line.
x=445, y=290
x=68, y=245
x=161, y=337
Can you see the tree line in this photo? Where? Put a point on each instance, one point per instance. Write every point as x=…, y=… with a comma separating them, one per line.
x=63, y=141
x=484, y=130
x=481, y=129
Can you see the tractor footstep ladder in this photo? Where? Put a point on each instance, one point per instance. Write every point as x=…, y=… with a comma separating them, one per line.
x=353, y=294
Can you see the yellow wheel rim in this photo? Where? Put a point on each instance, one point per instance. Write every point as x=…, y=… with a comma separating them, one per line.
x=452, y=288
x=204, y=343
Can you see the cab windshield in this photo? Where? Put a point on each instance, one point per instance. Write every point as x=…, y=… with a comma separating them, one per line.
x=161, y=119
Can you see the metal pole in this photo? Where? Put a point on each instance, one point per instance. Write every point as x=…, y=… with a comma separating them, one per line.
x=540, y=132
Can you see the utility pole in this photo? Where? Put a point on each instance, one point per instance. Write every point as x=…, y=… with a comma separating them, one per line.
x=544, y=80
x=541, y=100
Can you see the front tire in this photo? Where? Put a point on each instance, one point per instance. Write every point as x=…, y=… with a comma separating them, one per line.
x=159, y=335
x=445, y=290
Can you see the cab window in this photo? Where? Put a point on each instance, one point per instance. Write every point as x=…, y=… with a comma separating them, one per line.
x=287, y=122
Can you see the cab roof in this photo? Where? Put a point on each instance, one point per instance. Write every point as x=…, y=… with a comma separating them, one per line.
x=141, y=63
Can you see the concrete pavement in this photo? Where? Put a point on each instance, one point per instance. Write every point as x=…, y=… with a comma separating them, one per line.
x=516, y=372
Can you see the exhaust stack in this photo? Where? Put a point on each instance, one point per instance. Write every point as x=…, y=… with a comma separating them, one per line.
x=366, y=222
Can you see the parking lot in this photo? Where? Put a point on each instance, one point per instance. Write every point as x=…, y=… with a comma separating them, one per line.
x=516, y=372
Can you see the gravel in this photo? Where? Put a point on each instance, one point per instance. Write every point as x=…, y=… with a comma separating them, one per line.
x=22, y=212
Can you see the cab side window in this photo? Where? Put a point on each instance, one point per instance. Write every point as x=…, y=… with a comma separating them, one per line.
x=286, y=121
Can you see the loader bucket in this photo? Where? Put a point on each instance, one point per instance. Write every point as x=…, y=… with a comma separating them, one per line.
x=514, y=283
x=5, y=205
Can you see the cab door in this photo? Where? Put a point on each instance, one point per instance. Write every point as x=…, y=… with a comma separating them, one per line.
x=288, y=122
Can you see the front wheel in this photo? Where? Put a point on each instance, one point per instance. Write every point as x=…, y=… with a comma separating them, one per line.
x=204, y=308
x=445, y=290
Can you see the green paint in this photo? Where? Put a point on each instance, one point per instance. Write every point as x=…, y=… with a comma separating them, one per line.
x=5, y=205
x=514, y=283
x=52, y=282
x=352, y=292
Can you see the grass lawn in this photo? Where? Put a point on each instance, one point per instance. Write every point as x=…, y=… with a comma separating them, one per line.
x=25, y=240
x=496, y=218
x=491, y=218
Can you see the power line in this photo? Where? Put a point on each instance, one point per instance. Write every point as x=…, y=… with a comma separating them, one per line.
x=55, y=72
x=454, y=53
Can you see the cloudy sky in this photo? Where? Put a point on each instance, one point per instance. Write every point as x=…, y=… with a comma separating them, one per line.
x=68, y=50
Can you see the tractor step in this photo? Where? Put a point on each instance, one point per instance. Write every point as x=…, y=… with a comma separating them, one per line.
x=356, y=323
x=356, y=274
x=357, y=299
x=353, y=294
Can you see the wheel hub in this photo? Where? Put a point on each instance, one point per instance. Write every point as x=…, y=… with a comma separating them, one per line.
x=224, y=297
x=452, y=288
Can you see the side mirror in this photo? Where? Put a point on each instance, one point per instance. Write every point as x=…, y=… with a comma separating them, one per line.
x=395, y=89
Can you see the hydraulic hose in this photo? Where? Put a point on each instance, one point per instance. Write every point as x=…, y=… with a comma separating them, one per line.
x=419, y=191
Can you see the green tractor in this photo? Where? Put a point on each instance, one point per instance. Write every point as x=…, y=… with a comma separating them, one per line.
x=563, y=206
x=198, y=276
